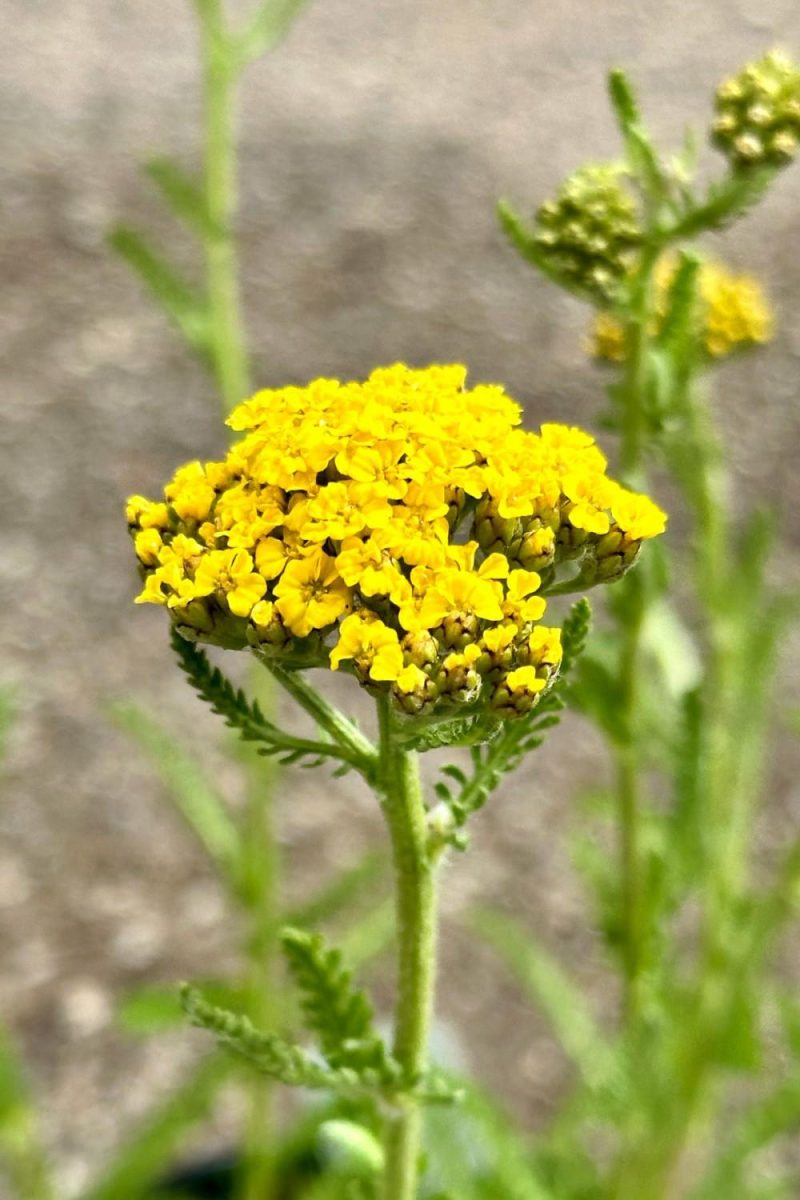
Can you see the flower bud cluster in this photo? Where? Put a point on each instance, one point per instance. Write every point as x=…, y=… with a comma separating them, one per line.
x=590, y=231
x=733, y=313
x=402, y=529
x=757, y=119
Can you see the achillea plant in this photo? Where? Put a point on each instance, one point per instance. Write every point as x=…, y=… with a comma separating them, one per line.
x=405, y=530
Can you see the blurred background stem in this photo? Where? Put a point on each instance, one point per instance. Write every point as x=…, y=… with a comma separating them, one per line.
x=220, y=78
x=627, y=753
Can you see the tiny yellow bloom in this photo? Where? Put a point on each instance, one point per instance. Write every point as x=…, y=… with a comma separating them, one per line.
x=525, y=679
x=148, y=544
x=311, y=594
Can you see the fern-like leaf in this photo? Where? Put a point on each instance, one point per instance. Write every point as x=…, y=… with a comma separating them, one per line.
x=268, y=1052
x=337, y=1012
x=246, y=716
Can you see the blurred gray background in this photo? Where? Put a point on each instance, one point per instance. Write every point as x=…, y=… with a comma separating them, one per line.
x=374, y=145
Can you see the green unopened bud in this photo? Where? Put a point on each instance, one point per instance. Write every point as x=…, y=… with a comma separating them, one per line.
x=590, y=232
x=537, y=550
x=610, y=558
x=419, y=649
x=493, y=532
x=457, y=631
x=758, y=113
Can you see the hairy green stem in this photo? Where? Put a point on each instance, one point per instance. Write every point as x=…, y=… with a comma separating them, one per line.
x=228, y=346
x=404, y=811
x=358, y=748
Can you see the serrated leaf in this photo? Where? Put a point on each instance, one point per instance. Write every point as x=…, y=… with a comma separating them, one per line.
x=337, y=1012
x=724, y=202
x=179, y=300
x=268, y=1053
x=246, y=717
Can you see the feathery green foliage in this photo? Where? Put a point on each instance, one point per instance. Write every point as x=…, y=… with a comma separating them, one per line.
x=337, y=1012
x=269, y=1053
x=246, y=716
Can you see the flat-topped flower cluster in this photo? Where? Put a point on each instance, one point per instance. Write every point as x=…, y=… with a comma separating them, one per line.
x=404, y=528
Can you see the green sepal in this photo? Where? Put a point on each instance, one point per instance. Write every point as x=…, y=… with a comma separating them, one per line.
x=521, y=237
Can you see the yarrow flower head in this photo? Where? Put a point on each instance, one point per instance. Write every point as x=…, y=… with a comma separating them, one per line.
x=733, y=313
x=590, y=232
x=757, y=119
x=404, y=529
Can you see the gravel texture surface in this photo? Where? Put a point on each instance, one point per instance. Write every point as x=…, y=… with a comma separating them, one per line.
x=374, y=144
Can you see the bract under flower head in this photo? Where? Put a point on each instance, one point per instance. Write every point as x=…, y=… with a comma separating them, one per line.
x=403, y=528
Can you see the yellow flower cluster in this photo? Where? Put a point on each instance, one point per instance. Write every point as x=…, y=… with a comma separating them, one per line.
x=734, y=313
x=403, y=528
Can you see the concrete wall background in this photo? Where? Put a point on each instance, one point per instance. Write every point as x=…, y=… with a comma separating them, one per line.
x=374, y=145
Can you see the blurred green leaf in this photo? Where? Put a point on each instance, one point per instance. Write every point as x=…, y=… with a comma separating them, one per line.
x=477, y=1153
x=22, y=1157
x=152, y=1008
x=202, y=808
x=267, y=27
x=142, y=1160
x=555, y=995
x=349, y=1149
x=186, y=307
x=666, y=638
x=183, y=195
x=347, y=887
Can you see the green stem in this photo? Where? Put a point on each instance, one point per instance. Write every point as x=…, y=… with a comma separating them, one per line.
x=261, y=899
x=359, y=749
x=632, y=396
x=629, y=801
x=221, y=194
x=404, y=811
